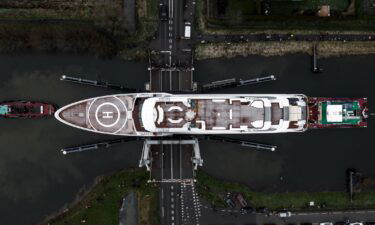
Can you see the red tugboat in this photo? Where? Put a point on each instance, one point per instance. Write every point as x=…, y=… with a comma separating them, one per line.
x=337, y=112
x=26, y=109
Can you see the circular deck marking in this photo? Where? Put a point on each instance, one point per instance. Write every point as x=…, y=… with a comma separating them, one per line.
x=107, y=114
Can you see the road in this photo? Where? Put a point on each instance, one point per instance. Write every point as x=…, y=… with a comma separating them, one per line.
x=171, y=67
x=228, y=217
x=179, y=202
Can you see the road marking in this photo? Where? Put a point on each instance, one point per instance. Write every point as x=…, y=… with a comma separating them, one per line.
x=172, y=8
x=180, y=160
x=162, y=161
x=170, y=80
x=170, y=46
x=171, y=162
x=170, y=40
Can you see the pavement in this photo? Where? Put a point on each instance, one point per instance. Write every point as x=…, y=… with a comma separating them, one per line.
x=229, y=217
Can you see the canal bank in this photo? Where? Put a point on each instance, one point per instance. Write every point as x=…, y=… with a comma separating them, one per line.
x=37, y=180
x=280, y=48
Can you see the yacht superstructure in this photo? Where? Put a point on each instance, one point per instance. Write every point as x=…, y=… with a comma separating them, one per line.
x=160, y=114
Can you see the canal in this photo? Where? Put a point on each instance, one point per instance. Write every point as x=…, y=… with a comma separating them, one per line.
x=36, y=179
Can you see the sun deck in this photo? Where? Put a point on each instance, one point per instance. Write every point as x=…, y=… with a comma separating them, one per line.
x=234, y=114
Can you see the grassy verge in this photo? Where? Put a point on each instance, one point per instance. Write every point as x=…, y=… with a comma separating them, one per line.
x=59, y=9
x=134, y=47
x=326, y=49
x=100, y=205
x=213, y=189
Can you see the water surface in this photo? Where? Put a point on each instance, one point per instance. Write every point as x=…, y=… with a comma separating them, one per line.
x=36, y=179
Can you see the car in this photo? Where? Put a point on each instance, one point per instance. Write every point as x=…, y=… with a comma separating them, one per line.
x=356, y=223
x=262, y=210
x=230, y=203
x=247, y=210
x=326, y=223
x=285, y=214
x=163, y=12
x=341, y=223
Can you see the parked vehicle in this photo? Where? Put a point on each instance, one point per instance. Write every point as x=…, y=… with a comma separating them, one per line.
x=285, y=214
x=326, y=223
x=356, y=223
x=241, y=200
x=163, y=11
x=262, y=210
x=230, y=203
x=187, y=33
x=247, y=210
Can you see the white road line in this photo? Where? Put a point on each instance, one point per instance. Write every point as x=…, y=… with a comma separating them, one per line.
x=170, y=83
x=169, y=5
x=171, y=162
x=172, y=8
x=180, y=163
x=162, y=161
x=170, y=46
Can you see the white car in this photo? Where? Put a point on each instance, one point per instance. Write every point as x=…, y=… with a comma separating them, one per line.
x=356, y=223
x=285, y=214
x=326, y=223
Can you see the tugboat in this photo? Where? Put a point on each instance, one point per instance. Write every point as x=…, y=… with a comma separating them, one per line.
x=337, y=112
x=26, y=109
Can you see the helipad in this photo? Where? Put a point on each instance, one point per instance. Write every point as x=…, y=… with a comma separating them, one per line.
x=107, y=114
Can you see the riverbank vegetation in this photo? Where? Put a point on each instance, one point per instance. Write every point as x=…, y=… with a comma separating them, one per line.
x=100, y=28
x=276, y=48
x=213, y=190
x=101, y=203
x=247, y=17
x=55, y=37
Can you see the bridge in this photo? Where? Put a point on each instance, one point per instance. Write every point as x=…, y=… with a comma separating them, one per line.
x=171, y=162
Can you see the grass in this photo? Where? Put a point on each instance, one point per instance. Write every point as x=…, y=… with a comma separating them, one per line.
x=238, y=8
x=213, y=189
x=274, y=48
x=102, y=31
x=101, y=204
x=135, y=46
x=55, y=37
x=240, y=19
